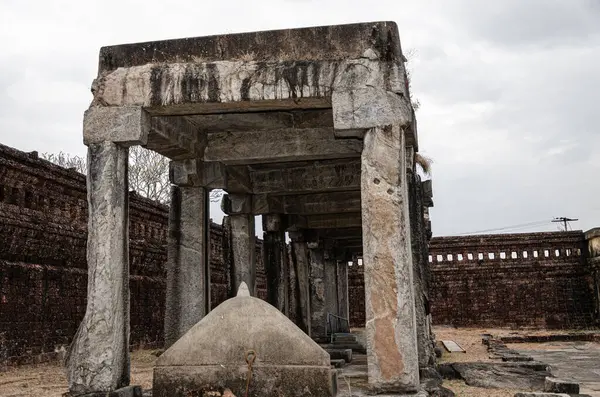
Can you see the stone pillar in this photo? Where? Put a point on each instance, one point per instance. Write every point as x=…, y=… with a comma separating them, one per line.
x=330, y=283
x=318, y=310
x=243, y=240
x=275, y=260
x=387, y=260
x=342, y=289
x=301, y=269
x=98, y=359
x=187, y=295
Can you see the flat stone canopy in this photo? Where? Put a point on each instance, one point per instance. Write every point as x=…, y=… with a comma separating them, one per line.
x=256, y=113
x=304, y=44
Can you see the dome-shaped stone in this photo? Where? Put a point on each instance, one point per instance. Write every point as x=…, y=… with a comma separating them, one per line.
x=212, y=355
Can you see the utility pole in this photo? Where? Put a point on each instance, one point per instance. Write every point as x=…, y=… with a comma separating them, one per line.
x=564, y=220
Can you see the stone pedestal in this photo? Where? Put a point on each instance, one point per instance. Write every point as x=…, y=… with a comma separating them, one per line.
x=387, y=260
x=276, y=262
x=98, y=360
x=187, y=270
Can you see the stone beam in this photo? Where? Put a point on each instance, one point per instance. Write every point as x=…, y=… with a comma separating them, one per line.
x=340, y=234
x=307, y=204
x=333, y=221
x=288, y=144
x=193, y=172
x=176, y=138
x=255, y=121
x=325, y=176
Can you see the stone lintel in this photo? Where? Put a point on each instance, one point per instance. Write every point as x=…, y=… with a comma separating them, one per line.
x=332, y=221
x=256, y=121
x=320, y=176
x=308, y=204
x=176, y=138
x=193, y=172
x=590, y=234
x=126, y=125
x=379, y=40
x=281, y=145
x=371, y=107
x=233, y=204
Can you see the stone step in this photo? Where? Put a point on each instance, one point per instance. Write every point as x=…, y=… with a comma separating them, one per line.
x=556, y=385
x=344, y=338
x=344, y=354
x=338, y=363
x=355, y=347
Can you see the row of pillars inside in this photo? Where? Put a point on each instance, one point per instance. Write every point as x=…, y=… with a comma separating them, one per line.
x=321, y=281
x=99, y=358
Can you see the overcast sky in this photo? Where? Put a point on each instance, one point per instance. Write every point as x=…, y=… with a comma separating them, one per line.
x=509, y=90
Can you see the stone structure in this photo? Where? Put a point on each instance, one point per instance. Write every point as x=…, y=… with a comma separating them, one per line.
x=214, y=354
x=312, y=125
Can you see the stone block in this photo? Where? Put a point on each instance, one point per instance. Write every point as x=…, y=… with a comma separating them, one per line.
x=556, y=385
x=343, y=354
x=126, y=125
x=215, y=354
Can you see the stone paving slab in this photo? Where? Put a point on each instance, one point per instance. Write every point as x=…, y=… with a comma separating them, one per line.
x=577, y=361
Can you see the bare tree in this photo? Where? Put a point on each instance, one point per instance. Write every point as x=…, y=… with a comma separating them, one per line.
x=148, y=172
x=66, y=160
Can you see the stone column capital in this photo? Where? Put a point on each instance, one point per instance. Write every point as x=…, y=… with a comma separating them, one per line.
x=125, y=125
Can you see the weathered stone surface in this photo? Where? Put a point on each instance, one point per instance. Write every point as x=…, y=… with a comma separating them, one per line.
x=321, y=176
x=387, y=262
x=212, y=355
x=501, y=376
x=318, y=309
x=342, y=289
x=378, y=40
x=331, y=287
x=301, y=270
x=126, y=125
x=371, y=107
x=244, y=250
x=556, y=385
x=192, y=172
x=175, y=138
x=308, y=204
x=276, y=262
x=268, y=146
x=187, y=279
x=98, y=359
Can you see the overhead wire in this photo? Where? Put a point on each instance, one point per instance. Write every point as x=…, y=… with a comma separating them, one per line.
x=509, y=228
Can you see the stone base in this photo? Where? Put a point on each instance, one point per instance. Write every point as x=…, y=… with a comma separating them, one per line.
x=281, y=381
x=127, y=391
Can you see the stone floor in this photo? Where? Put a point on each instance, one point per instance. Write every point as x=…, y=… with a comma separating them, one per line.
x=577, y=361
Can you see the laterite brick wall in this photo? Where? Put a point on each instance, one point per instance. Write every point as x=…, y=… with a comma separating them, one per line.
x=43, y=270
x=516, y=280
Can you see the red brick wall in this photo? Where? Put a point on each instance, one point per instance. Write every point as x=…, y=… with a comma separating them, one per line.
x=516, y=280
x=43, y=270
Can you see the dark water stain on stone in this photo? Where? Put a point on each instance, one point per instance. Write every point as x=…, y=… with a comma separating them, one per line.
x=214, y=92
x=156, y=76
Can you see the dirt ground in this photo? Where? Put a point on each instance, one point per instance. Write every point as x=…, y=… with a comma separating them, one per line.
x=49, y=380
